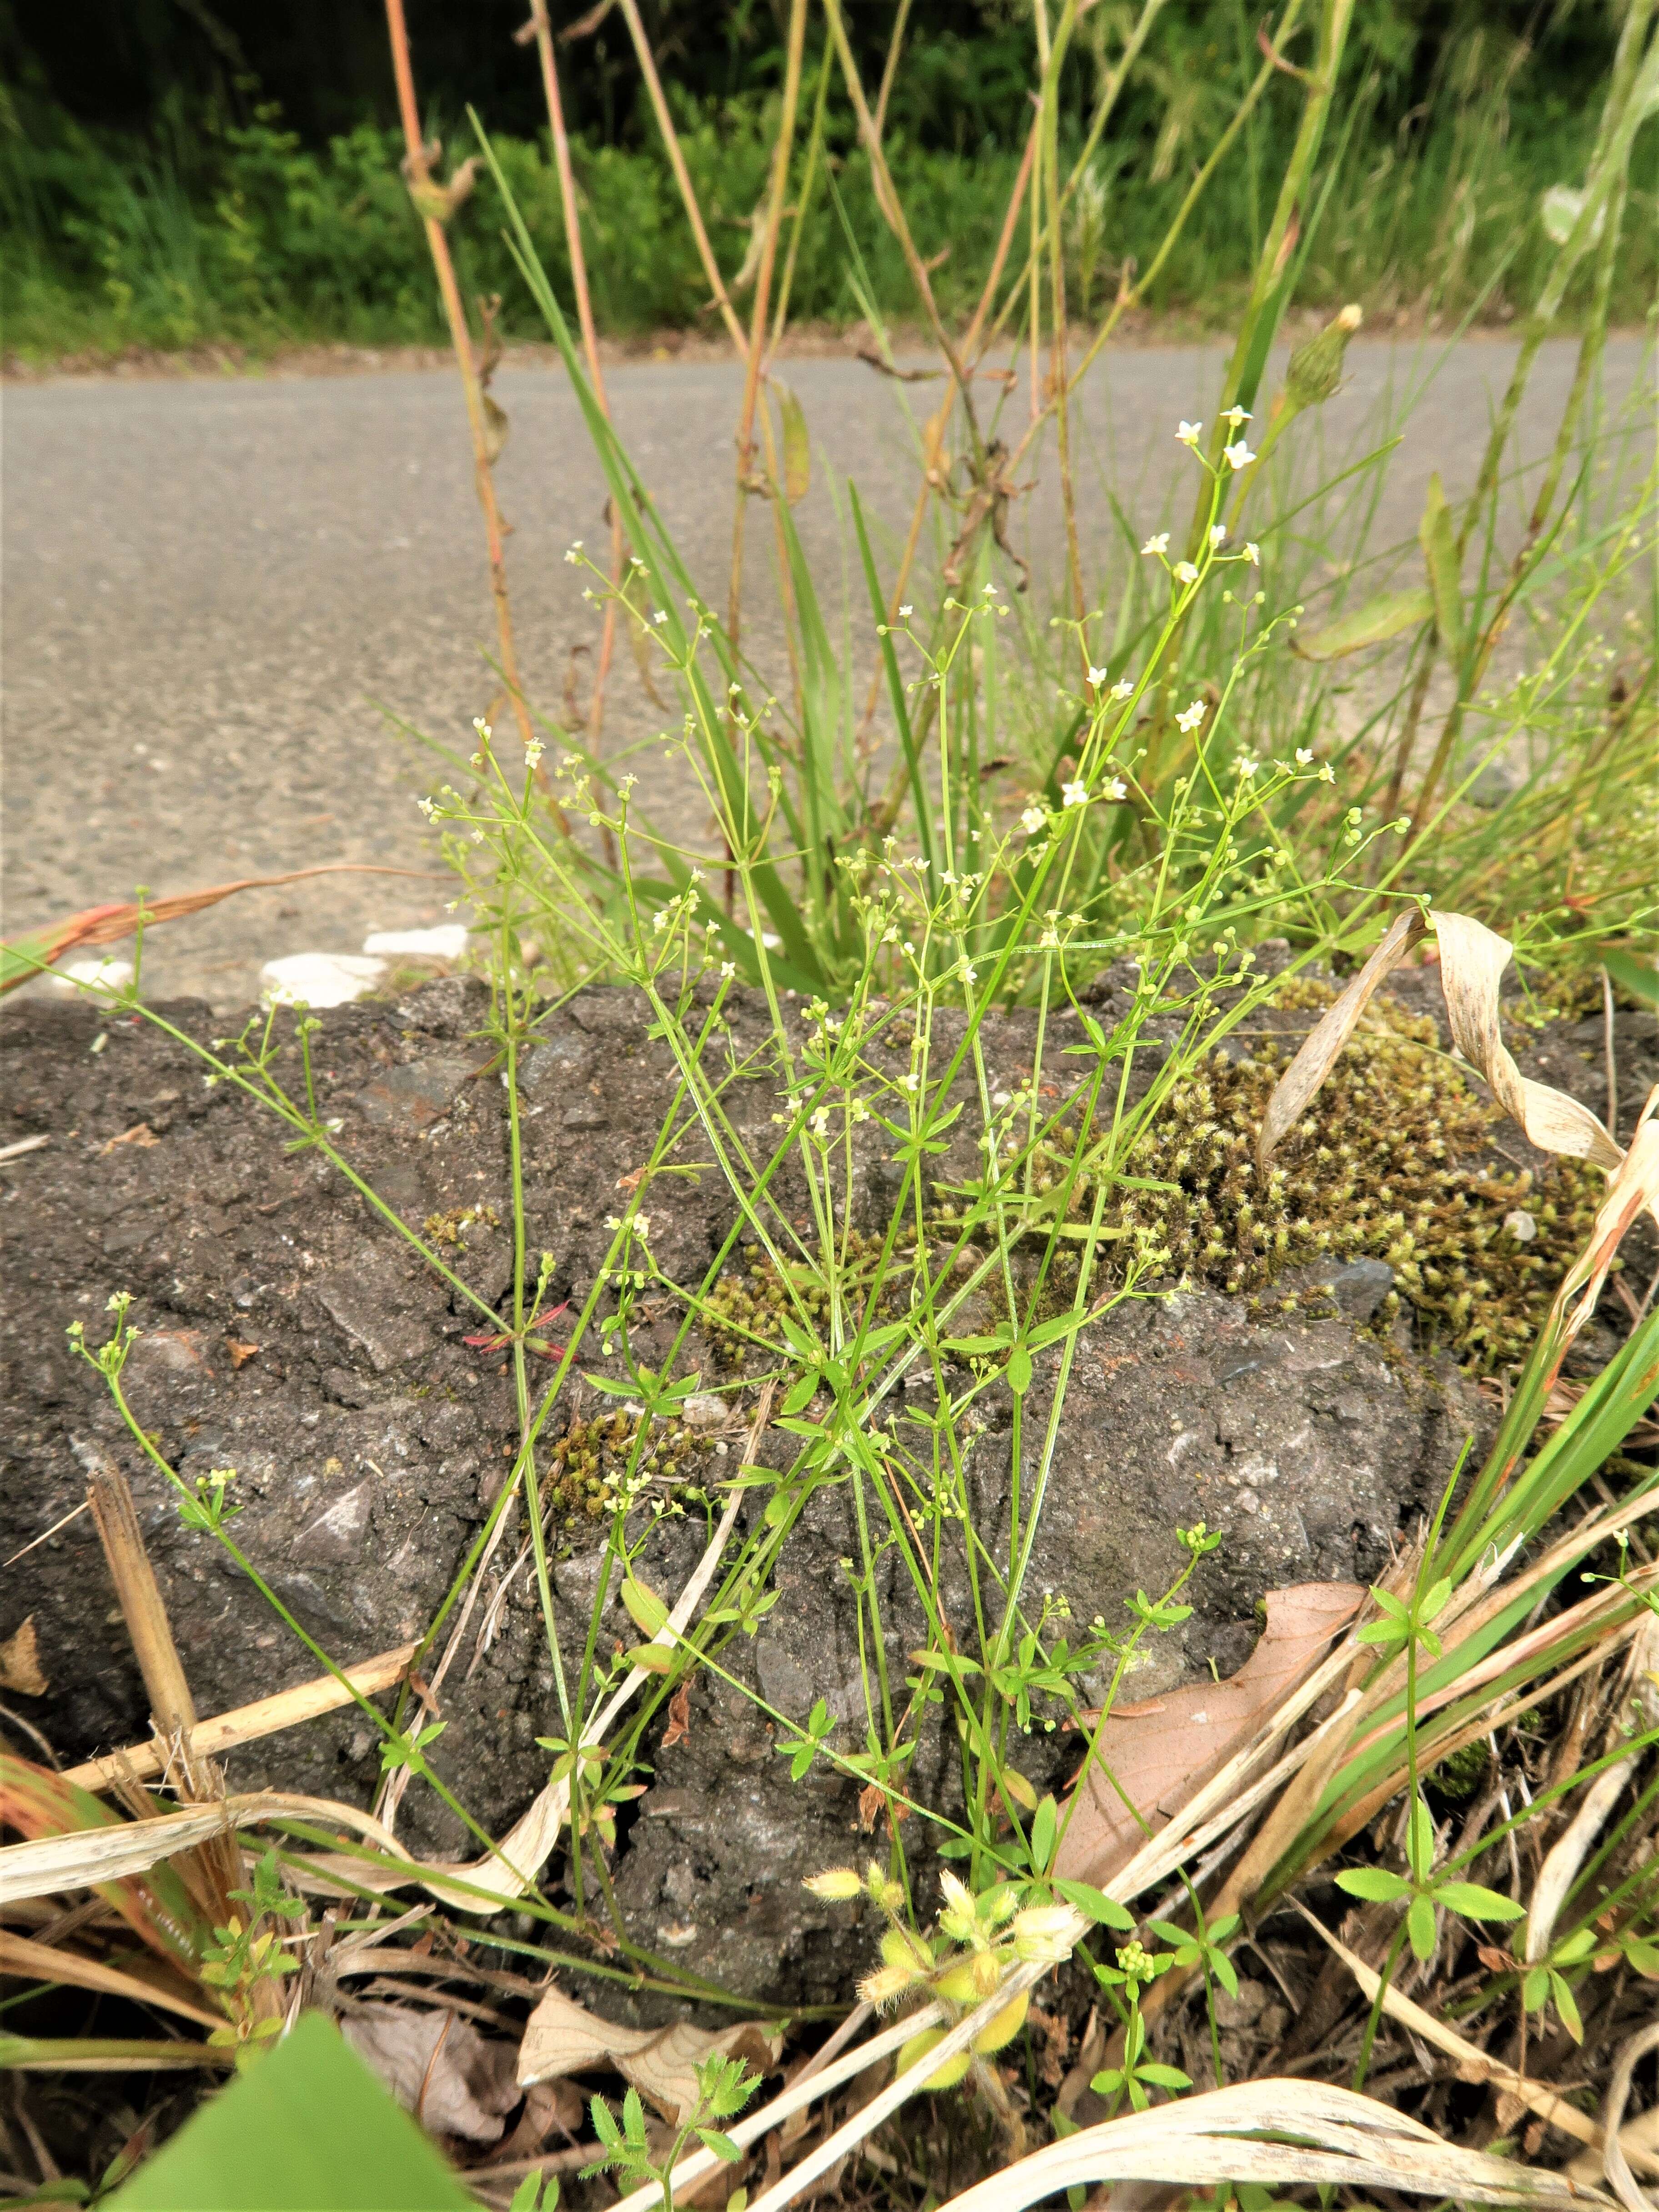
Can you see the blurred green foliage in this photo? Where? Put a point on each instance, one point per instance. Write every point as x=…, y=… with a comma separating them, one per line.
x=219, y=223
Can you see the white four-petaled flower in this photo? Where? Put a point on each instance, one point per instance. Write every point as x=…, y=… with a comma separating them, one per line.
x=1236, y=416
x=1217, y=533
x=1158, y=545
x=1074, y=794
x=1032, y=820
x=1123, y=689
x=1304, y=755
x=1237, y=455
x=1188, y=433
x=1098, y=676
x=1116, y=789
x=1253, y=553
x=1190, y=717
x=1185, y=572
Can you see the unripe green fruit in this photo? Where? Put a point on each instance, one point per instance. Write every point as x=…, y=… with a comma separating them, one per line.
x=946, y=2076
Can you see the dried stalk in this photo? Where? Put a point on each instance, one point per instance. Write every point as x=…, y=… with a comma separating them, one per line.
x=418, y=161
x=249, y=1723
x=539, y=29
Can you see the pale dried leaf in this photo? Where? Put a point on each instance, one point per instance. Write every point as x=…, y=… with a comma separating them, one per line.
x=563, y=2038
x=20, y=1664
x=495, y=428
x=438, y=2066
x=1639, y=2141
x=1301, y=1080
x=1158, y=1755
x=796, y=445
x=1473, y=959
x=1342, y=2141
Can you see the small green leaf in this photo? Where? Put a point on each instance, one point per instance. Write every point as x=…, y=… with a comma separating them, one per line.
x=1043, y=1834
x=801, y=1394
x=1420, y=1926
x=1566, y=2005
x=1376, y=1883
x=1475, y=1903
x=722, y=2146
x=645, y=1608
x=1018, y=1370
x=1105, y=1911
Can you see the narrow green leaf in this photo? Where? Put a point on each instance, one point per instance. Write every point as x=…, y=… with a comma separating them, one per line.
x=1438, y=537
x=1373, y=623
x=1104, y=1911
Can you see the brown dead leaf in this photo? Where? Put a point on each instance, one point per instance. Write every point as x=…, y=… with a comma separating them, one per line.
x=20, y=1664
x=140, y=1134
x=1163, y=1752
x=240, y=1353
x=438, y=2067
x=562, y=2038
x=869, y=1808
x=679, y=1718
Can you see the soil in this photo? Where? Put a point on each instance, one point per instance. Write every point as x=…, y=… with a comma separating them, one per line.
x=291, y=1333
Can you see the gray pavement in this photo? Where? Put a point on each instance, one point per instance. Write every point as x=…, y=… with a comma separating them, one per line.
x=213, y=589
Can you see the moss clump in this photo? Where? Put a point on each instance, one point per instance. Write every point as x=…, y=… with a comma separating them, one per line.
x=451, y=1228
x=1387, y=1164
x=589, y=1469
x=752, y=1300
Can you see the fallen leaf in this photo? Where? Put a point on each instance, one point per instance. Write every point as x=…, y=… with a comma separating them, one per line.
x=562, y=2038
x=869, y=1808
x=679, y=1718
x=1161, y=1755
x=438, y=2067
x=20, y=1664
x=140, y=1134
x=240, y=1353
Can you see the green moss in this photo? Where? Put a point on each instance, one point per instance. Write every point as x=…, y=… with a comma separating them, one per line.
x=1388, y=1162
x=750, y=1301
x=588, y=1470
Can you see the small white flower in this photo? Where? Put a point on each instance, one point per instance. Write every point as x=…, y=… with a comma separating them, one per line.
x=1158, y=545
x=660, y=615
x=1032, y=820
x=1046, y=943
x=1247, y=767
x=1074, y=794
x=625, y=784
x=1304, y=755
x=1239, y=455
x=912, y=1082
x=1189, y=433
x=426, y=807
x=1217, y=533
x=532, y=754
x=1236, y=416
x=1190, y=717
x=1098, y=676
x=574, y=551
x=990, y=591
x=1253, y=553
x=642, y=1226
x=1326, y=773
x=483, y=728
x=728, y=969
x=904, y=614
x=969, y=975
x=1185, y=572
x=1122, y=688
x=1116, y=789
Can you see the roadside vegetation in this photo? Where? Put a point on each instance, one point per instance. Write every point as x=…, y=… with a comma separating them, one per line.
x=1200, y=831
x=220, y=225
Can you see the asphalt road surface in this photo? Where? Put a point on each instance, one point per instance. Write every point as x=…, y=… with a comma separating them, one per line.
x=218, y=594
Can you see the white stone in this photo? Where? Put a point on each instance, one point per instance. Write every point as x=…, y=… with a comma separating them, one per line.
x=319, y=979
x=446, y=942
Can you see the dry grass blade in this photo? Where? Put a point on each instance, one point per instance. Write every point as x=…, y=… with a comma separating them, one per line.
x=49, y=1962
x=46, y=1864
x=1472, y=2063
x=22, y=958
x=1638, y=1710
x=1617, y=2151
x=1301, y=1080
x=1343, y=2141
x=248, y=1723
x=562, y=2038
